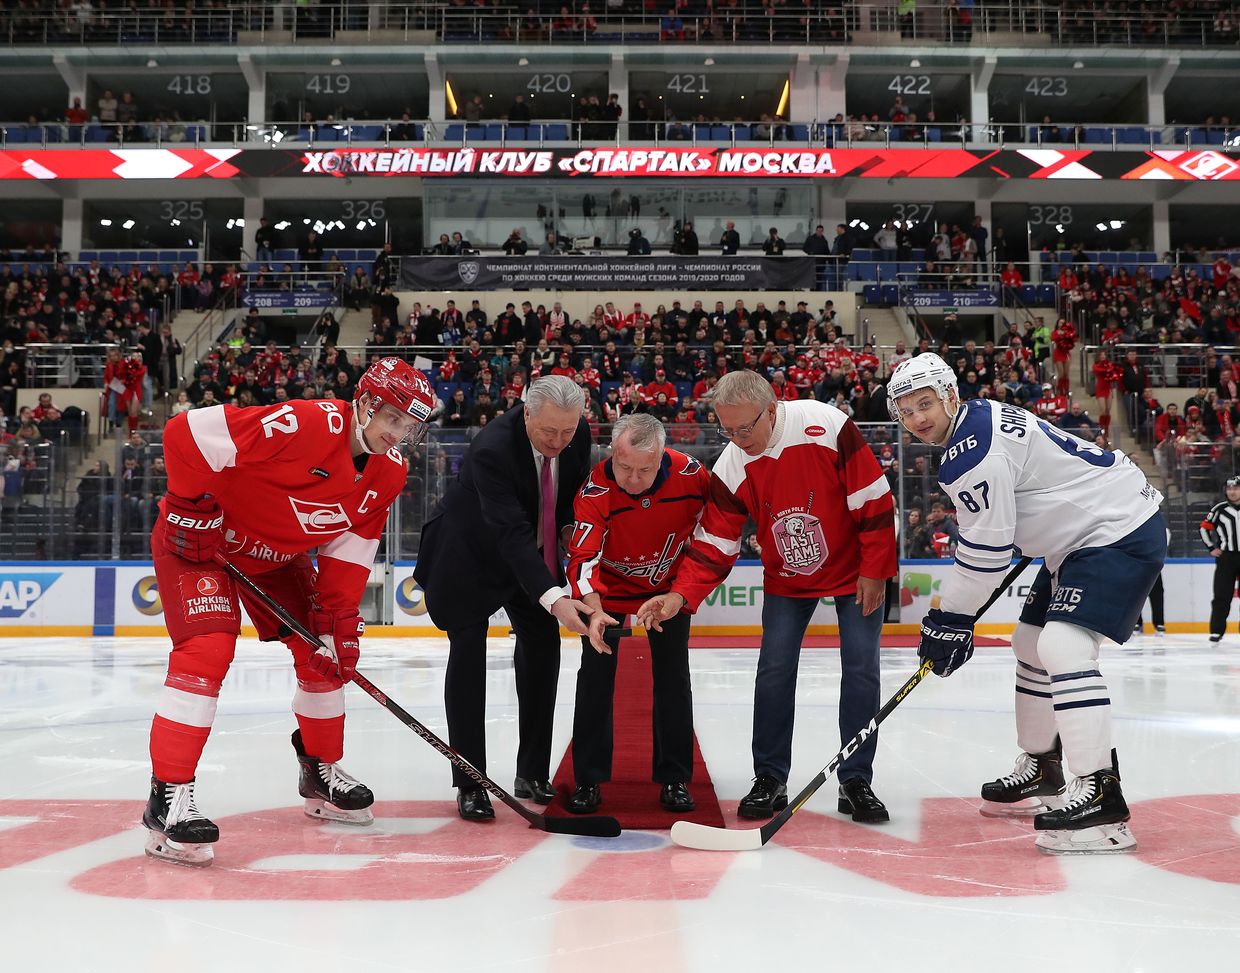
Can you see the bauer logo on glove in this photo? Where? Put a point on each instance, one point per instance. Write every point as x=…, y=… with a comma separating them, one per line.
x=946, y=640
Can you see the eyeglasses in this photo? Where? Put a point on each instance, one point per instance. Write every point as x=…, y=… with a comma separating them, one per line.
x=741, y=432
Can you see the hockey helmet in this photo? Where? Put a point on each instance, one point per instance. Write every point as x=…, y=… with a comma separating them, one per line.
x=926, y=370
x=391, y=381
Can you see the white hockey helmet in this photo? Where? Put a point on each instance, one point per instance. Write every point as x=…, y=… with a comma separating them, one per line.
x=926, y=370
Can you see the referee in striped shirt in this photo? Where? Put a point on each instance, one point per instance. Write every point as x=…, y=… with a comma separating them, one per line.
x=1220, y=532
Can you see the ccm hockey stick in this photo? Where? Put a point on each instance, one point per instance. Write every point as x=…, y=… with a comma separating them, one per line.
x=593, y=827
x=689, y=834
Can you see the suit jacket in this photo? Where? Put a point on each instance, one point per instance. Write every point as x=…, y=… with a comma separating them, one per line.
x=485, y=529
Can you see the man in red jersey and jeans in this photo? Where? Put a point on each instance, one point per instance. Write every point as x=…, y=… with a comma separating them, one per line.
x=826, y=524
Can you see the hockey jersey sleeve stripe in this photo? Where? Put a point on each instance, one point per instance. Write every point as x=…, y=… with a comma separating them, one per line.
x=189, y=709
x=209, y=427
x=351, y=548
x=874, y=491
x=585, y=575
x=974, y=567
x=729, y=548
x=984, y=547
x=319, y=706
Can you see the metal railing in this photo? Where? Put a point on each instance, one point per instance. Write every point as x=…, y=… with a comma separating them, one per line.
x=831, y=133
x=66, y=366
x=747, y=22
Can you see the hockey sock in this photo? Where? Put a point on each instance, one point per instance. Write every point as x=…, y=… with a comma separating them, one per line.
x=1035, y=716
x=320, y=715
x=181, y=726
x=1081, y=701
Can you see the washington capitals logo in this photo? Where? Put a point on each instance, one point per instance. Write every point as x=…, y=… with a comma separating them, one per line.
x=591, y=489
x=691, y=466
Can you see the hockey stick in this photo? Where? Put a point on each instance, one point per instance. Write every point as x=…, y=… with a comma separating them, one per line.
x=689, y=834
x=593, y=827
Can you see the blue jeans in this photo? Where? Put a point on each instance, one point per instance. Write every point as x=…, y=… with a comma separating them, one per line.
x=784, y=621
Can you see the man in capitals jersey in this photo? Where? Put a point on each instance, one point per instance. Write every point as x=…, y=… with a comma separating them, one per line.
x=826, y=522
x=633, y=518
x=263, y=487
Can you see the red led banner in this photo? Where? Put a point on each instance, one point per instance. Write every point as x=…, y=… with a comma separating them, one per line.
x=637, y=162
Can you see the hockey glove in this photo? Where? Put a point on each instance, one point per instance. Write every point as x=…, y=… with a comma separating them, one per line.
x=341, y=632
x=193, y=529
x=946, y=640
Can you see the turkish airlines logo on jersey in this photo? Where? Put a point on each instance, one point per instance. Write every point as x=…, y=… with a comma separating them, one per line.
x=208, y=586
x=320, y=518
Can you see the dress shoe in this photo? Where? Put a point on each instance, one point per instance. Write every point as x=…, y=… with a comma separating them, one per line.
x=676, y=798
x=765, y=798
x=473, y=804
x=857, y=799
x=538, y=791
x=585, y=799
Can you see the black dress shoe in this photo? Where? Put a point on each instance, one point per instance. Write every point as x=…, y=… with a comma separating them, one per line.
x=676, y=798
x=538, y=791
x=473, y=804
x=857, y=799
x=585, y=799
x=765, y=798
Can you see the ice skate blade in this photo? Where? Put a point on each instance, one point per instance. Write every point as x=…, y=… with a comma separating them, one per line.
x=324, y=811
x=176, y=853
x=1027, y=808
x=1106, y=839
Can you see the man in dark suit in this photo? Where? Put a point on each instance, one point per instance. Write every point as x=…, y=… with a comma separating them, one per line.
x=495, y=541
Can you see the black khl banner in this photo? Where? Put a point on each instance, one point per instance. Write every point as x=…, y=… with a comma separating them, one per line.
x=608, y=273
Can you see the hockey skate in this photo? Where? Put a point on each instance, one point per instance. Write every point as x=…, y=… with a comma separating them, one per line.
x=1093, y=818
x=179, y=832
x=330, y=793
x=1031, y=788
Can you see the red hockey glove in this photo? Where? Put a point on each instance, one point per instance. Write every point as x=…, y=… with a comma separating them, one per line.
x=193, y=529
x=341, y=632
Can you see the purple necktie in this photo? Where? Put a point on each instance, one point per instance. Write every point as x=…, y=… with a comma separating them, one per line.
x=550, y=543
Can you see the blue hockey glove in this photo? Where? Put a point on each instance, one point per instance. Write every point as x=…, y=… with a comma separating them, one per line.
x=946, y=640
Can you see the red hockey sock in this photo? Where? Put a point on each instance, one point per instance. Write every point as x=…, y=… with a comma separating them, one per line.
x=321, y=718
x=175, y=749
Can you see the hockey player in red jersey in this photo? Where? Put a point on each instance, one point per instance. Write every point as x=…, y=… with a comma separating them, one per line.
x=264, y=487
x=634, y=515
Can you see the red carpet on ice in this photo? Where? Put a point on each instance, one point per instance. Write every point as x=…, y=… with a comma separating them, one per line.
x=631, y=797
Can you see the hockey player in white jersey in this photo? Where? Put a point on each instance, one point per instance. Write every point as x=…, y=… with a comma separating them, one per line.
x=1022, y=486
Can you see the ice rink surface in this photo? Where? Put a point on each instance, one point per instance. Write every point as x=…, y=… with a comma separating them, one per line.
x=939, y=888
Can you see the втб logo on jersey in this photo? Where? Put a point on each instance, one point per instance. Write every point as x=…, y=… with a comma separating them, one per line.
x=320, y=518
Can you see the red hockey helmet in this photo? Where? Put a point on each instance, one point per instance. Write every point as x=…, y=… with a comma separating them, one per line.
x=391, y=381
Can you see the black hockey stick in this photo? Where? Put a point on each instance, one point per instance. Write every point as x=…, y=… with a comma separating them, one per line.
x=599, y=826
x=689, y=834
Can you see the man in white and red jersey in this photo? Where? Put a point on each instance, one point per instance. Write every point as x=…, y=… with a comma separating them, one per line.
x=1053, y=405
x=634, y=515
x=264, y=486
x=826, y=524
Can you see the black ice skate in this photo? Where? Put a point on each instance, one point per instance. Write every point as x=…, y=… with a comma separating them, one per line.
x=179, y=832
x=1029, y=789
x=330, y=793
x=1092, y=819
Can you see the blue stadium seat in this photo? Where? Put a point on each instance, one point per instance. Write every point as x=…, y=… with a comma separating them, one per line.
x=107, y=257
x=741, y=133
x=721, y=133
x=86, y=256
x=1095, y=135
x=871, y=294
x=534, y=132
x=1028, y=293
x=887, y=270
x=454, y=132
x=934, y=133
x=606, y=387
x=556, y=132
x=303, y=135
x=1131, y=135
x=518, y=133
x=684, y=390
x=1046, y=295
x=286, y=256
x=166, y=256
x=863, y=270
x=127, y=257
x=799, y=133
x=860, y=254
x=890, y=294
x=494, y=132
x=367, y=133
x=345, y=256
x=96, y=133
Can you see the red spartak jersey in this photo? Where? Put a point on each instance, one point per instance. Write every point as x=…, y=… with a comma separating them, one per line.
x=285, y=479
x=627, y=548
x=824, y=511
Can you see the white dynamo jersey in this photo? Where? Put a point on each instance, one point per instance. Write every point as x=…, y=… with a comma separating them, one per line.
x=1023, y=486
